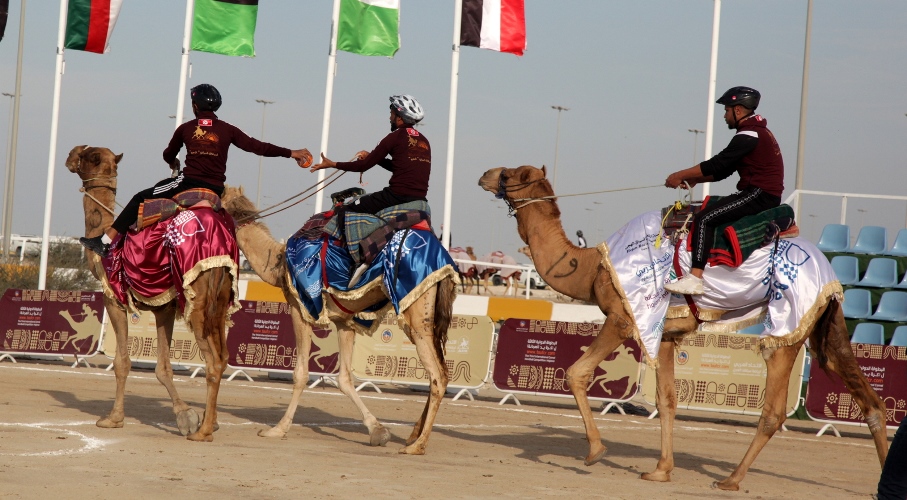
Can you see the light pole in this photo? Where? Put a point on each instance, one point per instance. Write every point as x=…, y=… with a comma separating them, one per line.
x=696, y=133
x=9, y=152
x=557, y=140
x=264, y=107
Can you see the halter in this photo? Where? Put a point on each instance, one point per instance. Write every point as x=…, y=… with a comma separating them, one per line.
x=109, y=182
x=503, y=189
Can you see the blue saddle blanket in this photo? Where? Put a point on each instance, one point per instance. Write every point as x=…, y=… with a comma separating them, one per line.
x=409, y=259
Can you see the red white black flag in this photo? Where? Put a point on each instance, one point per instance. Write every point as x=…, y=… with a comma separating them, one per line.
x=494, y=24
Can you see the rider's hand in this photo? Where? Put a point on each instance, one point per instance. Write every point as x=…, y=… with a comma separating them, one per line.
x=302, y=156
x=360, y=155
x=674, y=180
x=325, y=163
x=175, y=164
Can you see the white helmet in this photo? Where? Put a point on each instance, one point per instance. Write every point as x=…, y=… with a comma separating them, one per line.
x=407, y=108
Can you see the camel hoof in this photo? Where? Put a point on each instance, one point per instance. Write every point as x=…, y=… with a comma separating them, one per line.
x=379, y=436
x=657, y=476
x=412, y=450
x=595, y=456
x=107, y=423
x=726, y=485
x=273, y=432
x=187, y=421
x=200, y=438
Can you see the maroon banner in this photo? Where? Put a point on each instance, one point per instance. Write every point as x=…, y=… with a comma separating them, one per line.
x=532, y=356
x=827, y=399
x=262, y=337
x=51, y=322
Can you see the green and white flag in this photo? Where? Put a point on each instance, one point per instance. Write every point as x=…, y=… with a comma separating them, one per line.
x=89, y=24
x=225, y=27
x=369, y=27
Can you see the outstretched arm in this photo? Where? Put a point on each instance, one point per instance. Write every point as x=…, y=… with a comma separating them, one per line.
x=692, y=176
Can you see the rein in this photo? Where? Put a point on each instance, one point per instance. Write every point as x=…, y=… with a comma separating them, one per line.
x=504, y=188
x=248, y=219
x=110, y=183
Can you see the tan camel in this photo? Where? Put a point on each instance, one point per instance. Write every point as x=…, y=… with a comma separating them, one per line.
x=425, y=323
x=209, y=299
x=469, y=275
x=578, y=272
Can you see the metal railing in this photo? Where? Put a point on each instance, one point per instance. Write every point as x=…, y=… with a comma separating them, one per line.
x=527, y=270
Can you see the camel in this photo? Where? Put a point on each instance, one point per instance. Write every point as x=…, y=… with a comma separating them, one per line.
x=425, y=323
x=508, y=274
x=210, y=298
x=469, y=274
x=581, y=273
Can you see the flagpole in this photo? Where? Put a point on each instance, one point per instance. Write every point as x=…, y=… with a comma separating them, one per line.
x=184, y=63
x=13, y=142
x=452, y=123
x=328, y=97
x=54, y=124
x=713, y=76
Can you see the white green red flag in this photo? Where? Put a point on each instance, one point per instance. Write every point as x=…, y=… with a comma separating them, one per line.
x=89, y=24
x=225, y=27
x=494, y=24
x=369, y=27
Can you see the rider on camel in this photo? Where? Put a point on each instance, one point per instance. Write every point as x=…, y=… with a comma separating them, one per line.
x=207, y=139
x=754, y=154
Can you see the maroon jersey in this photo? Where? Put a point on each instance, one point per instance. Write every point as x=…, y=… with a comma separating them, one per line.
x=754, y=154
x=410, y=163
x=207, y=140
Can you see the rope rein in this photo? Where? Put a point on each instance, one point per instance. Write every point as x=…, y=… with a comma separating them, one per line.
x=588, y=193
x=337, y=174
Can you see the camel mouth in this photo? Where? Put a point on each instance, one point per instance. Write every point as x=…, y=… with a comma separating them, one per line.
x=490, y=179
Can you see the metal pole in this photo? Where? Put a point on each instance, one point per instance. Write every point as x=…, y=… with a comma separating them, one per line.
x=184, y=63
x=804, y=91
x=557, y=140
x=713, y=76
x=328, y=98
x=452, y=124
x=14, y=139
x=264, y=107
x=696, y=133
x=9, y=147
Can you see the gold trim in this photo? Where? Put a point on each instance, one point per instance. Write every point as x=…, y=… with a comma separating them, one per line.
x=808, y=321
x=160, y=299
x=204, y=265
x=628, y=311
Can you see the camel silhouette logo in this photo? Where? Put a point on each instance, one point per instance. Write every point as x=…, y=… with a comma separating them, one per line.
x=85, y=330
x=199, y=133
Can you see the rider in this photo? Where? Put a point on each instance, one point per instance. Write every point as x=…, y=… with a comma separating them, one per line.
x=207, y=139
x=580, y=241
x=410, y=162
x=754, y=154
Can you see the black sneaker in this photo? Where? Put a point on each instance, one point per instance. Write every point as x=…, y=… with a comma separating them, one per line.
x=96, y=245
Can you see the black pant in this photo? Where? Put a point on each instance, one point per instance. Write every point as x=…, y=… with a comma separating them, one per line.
x=167, y=188
x=372, y=203
x=893, y=482
x=726, y=210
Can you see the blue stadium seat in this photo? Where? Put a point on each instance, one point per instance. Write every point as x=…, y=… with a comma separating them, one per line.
x=756, y=329
x=880, y=273
x=847, y=268
x=857, y=303
x=868, y=333
x=903, y=283
x=835, y=238
x=872, y=239
x=899, y=248
x=899, y=339
x=892, y=307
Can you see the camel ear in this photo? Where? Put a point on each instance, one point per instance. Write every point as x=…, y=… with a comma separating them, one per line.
x=544, y=171
x=242, y=191
x=117, y=158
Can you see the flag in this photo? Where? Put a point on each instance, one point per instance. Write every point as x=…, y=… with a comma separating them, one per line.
x=89, y=24
x=225, y=27
x=369, y=27
x=494, y=24
x=4, y=12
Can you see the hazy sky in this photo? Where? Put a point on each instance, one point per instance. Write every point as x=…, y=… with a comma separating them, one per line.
x=633, y=73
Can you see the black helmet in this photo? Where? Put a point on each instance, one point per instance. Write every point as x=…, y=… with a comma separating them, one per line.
x=206, y=97
x=579, y=233
x=747, y=97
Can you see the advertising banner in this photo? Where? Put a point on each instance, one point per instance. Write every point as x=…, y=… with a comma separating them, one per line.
x=142, y=341
x=53, y=322
x=533, y=356
x=262, y=337
x=885, y=366
x=723, y=372
x=388, y=355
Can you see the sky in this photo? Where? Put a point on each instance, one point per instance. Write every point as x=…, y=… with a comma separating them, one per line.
x=633, y=74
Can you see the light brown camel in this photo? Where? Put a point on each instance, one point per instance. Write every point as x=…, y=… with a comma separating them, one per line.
x=425, y=323
x=578, y=272
x=469, y=275
x=208, y=300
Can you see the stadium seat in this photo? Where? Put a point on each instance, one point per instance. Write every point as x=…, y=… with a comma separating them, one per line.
x=835, y=238
x=880, y=273
x=899, y=248
x=899, y=339
x=857, y=303
x=847, y=268
x=872, y=239
x=753, y=329
x=868, y=333
x=892, y=307
x=903, y=283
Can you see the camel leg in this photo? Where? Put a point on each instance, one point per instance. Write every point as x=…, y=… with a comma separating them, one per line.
x=579, y=374
x=378, y=434
x=303, y=333
x=666, y=402
x=121, y=364
x=186, y=418
x=779, y=363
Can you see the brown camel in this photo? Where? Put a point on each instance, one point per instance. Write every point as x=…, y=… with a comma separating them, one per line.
x=580, y=273
x=209, y=301
x=469, y=275
x=425, y=322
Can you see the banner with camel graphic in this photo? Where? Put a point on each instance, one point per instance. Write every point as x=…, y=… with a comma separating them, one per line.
x=142, y=343
x=53, y=322
x=389, y=357
x=533, y=357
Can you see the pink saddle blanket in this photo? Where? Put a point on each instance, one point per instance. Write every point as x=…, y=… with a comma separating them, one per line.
x=153, y=262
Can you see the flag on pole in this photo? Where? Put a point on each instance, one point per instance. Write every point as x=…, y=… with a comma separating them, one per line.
x=89, y=24
x=225, y=27
x=369, y=27
x=495, y=25
x=4, y=12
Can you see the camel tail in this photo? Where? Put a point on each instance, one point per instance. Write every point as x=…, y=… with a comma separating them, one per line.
x=218, y=301
x=444, y=300
x=827, y=333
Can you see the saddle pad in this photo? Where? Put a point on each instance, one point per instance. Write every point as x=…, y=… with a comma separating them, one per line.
x=736, y=241
x=359, y=226
x=158, y=209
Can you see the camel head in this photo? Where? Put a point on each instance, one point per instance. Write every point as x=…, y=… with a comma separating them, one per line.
x=510, y=184
x=525, y=251
x=236, y=203
x=93, y=163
